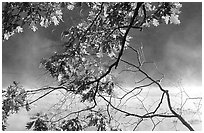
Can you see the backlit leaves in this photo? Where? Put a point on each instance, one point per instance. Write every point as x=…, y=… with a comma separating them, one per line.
x=167, y=12
x=17, y=15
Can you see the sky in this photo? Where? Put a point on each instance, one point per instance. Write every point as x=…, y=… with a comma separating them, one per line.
x=176, y=49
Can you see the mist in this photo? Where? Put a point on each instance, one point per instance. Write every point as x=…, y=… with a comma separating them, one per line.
x=21, y=59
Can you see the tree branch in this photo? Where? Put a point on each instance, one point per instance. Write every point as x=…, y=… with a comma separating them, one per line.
x=167, y=94
x=127, y=31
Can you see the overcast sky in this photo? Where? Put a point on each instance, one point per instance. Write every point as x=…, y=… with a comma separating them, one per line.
x=177, y=49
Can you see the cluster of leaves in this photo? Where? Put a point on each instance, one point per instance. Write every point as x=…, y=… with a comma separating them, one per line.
x=13, y=98
x=17, y=14
x=98, y=120
x=71, y=125
x=76, y=72
x=38, y=122
x=167, y=12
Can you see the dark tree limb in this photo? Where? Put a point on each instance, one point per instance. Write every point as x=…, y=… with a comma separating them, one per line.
x=127, y=31
x=165, y=92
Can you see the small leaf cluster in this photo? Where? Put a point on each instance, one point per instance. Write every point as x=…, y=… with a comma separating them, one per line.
x=97, y=120
x=14, y=97
x=38, y=122
x=71, y=125
x=162, y=12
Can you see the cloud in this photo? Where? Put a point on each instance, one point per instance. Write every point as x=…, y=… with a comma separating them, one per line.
x=184, y=61
x=21, y=58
